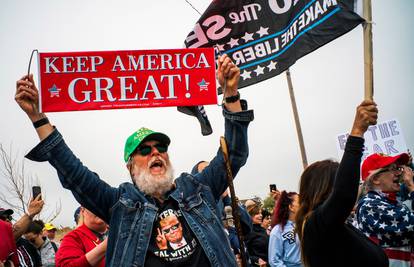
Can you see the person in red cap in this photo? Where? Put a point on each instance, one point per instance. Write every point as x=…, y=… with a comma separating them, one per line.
x=327, y=194
x=381, y=216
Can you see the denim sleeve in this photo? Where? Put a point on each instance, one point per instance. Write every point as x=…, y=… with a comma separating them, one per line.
x=235, y=125
x=89, y=190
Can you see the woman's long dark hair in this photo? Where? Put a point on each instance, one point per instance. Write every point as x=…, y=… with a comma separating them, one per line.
x=281, y=210
x=315, y=186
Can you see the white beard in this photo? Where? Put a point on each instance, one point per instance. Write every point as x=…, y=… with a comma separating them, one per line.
x=153, y=185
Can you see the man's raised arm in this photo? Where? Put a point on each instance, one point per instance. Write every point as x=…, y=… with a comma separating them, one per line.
x=27, y=96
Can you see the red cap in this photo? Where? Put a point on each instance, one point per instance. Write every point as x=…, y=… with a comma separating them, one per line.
x=378, y=161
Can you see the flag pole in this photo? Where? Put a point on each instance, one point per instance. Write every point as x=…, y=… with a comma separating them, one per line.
x=234, y=200
x=297, y=122
x=368, y=66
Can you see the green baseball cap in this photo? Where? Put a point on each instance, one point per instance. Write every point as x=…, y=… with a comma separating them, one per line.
x=143, y=134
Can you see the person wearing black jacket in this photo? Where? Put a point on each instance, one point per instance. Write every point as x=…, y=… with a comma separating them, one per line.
x=328, y=192
x=257, y=240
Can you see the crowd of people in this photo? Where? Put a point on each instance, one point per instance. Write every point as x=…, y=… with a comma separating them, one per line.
x=343, y=214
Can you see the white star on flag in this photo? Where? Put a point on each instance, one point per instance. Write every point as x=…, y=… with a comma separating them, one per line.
x=406, y=241
x=410, y=227
x=259, y=70
x=391, y=213
x=387, y=235
x=398, y=232
x=246, y=75
x=371, y=212
x=394, y=223
x=272, y=65
x=263, y=31
x=247, y=37
x=233, y=42
x=379, y=236
x=381, y=207
x=382, y=225
x=406, y=218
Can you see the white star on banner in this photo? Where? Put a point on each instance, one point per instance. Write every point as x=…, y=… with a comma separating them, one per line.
x=387, y=235
x=259, y=70
x=272, y=65
x=220, y=47
x=246, y=75
x=406, y=241
x=247, y=37
x=368, y=205
x=410, y=227
x=375, y=222
x=363, y=219
x=263, y=31
x=233, y=42
x=382, y=225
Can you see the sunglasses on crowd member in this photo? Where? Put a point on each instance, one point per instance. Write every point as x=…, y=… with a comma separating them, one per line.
x=145, y=150
x=172, y=228
x=392, y=168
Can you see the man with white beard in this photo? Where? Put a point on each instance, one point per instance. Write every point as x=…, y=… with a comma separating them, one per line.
x=135, y=211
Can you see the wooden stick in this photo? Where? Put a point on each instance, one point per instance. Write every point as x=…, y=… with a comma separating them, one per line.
x=297, y=122
x=234, y=200
x=368, y=56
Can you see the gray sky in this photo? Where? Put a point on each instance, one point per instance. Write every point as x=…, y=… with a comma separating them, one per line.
x=328, y=86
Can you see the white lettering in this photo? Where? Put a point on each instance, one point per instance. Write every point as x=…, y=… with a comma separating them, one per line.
x=151, y=82
x=124, y=88
x=71, y=91
x=99, y=89
x=50, y=64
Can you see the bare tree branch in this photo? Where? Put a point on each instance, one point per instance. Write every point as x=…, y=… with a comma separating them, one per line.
x=16, y=190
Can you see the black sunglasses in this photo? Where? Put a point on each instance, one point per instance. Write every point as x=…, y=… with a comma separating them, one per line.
x=145, y=150
x=391, y=169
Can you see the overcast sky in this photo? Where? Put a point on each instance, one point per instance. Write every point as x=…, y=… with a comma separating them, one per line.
x=328, y=86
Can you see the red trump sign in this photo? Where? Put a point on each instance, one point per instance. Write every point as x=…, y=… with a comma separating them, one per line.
x=127, y=79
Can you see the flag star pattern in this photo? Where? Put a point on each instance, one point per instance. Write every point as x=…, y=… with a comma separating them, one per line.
x=388, y=223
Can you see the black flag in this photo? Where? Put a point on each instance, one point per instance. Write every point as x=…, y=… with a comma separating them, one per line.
x=265, y=37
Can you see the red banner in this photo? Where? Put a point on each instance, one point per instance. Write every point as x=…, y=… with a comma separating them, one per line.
x=127, y=79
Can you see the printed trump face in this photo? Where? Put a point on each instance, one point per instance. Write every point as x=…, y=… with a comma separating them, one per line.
x=172, y=229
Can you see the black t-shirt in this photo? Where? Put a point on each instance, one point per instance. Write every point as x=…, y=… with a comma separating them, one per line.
x=172, y=241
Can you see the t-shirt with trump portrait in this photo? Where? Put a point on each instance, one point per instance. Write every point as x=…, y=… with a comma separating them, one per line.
x=172, y=241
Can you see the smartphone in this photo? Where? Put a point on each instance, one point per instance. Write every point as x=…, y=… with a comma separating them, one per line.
x=272, y=187
x=36, y=191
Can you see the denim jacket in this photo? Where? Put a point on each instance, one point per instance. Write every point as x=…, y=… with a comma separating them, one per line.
x=131, y=214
